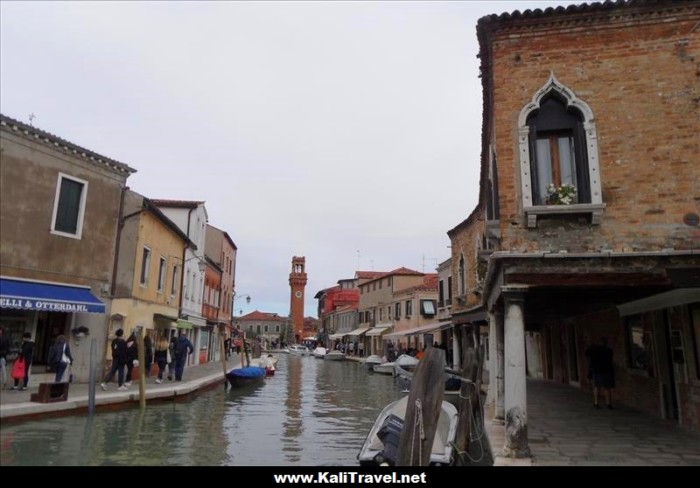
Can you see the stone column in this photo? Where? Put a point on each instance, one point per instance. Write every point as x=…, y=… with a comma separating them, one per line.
x=515, y=375
x=498, y=372
x=456, y=352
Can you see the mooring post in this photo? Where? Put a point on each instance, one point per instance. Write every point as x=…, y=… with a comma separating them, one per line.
x=423, y=410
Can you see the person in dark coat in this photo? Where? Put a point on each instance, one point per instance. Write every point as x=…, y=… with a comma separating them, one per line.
x=60, y=357
x=183, y=348
x=148, y=355
x=27, y=354
x=601, y=371
x=118, y=361
x=132, y=356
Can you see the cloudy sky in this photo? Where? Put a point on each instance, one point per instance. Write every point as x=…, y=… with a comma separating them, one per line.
x=345, y=132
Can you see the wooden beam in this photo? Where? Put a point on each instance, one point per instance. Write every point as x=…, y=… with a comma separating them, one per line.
x=423, y=410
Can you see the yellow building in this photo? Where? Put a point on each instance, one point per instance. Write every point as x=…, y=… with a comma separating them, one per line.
x=148, y=276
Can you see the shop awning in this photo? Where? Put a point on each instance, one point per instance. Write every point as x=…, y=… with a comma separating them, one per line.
x=423, y=329
x=184, y=324
x=334, y=337
x=164, y=318
x=375, y=331
x=357, y=332
x=48, y=297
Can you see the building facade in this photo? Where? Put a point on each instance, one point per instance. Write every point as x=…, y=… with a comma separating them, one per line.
x=191, y=217
x=59, y=213
x=588, y=205
x=147, y=283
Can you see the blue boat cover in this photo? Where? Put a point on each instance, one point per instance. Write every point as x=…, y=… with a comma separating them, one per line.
x=249, y=372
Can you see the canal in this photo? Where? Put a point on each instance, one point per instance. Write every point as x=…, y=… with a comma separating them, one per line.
x=311, y=413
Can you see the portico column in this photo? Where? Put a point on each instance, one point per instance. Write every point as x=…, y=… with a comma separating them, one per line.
x=515, y=375
x=456, y=351
x=499, y=366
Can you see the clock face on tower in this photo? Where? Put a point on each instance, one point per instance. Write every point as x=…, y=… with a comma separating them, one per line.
x=297, y=294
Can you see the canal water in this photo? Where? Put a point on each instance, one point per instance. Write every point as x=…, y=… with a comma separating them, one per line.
x=311, y=413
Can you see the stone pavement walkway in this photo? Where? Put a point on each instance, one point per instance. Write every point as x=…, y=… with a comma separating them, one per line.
x=17, y=404
x=565, y=430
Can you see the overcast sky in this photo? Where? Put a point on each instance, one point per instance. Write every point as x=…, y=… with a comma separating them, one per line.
x=345, y=132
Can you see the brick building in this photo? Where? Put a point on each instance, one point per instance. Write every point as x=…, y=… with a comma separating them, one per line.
x=605, y=98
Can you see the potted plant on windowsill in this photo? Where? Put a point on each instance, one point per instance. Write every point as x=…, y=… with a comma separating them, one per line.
x=560, y=195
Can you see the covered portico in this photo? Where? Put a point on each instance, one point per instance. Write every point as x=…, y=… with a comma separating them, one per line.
x=546, y=308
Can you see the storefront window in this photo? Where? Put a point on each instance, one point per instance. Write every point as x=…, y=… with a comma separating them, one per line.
x=639, y=343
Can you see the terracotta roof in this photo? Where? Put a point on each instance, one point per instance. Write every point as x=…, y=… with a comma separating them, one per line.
x=177, y=203
x=257, y=315
x=369, y=274
x=404, y=271
x=575, y=10
x=52, y=140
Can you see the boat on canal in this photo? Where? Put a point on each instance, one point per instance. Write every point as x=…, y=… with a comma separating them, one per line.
x=334, y=356
x=299, y=350
x=250, y=375
x=319, y=352
x=269, y=363
x=373, y=361
x=381, y=445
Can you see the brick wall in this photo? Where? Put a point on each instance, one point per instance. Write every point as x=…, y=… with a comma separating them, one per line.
x=641, y=77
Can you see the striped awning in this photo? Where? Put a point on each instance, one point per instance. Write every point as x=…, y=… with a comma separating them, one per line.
x=376, y=331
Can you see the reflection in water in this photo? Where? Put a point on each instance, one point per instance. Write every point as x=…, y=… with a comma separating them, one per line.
x=312, y=412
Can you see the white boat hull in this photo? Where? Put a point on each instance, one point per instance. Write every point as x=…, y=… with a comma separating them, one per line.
x=441, y=453
x=334, y=356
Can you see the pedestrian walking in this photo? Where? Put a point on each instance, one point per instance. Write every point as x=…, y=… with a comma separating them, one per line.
x=183, y=348
x=162, y=357
x=148, y=355
x=25, y=356
x=118, y=361
x=601, y=371
x=60, y=357
x=132, y=357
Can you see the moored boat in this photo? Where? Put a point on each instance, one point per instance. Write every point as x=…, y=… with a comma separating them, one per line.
x=372, y=361
x=319, y=352
x=334, y=356
x=250, y=375
x=381, y=445
x=299, y=350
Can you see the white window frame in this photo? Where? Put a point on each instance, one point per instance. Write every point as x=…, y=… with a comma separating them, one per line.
x=162, y=272
x=596, y=206
x=81, y=211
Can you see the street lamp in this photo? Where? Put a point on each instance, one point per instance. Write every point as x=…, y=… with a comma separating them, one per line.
x=202, y=264
x=233, y=301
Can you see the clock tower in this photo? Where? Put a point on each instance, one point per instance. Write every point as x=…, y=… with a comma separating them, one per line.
x=297, y=283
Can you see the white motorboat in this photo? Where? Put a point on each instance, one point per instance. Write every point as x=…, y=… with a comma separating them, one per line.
x=299, y=350
x=384, y=368
x=406, y=362
x=319, y=352
x=381, y=445
x=373, y=361
x=334, y=356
